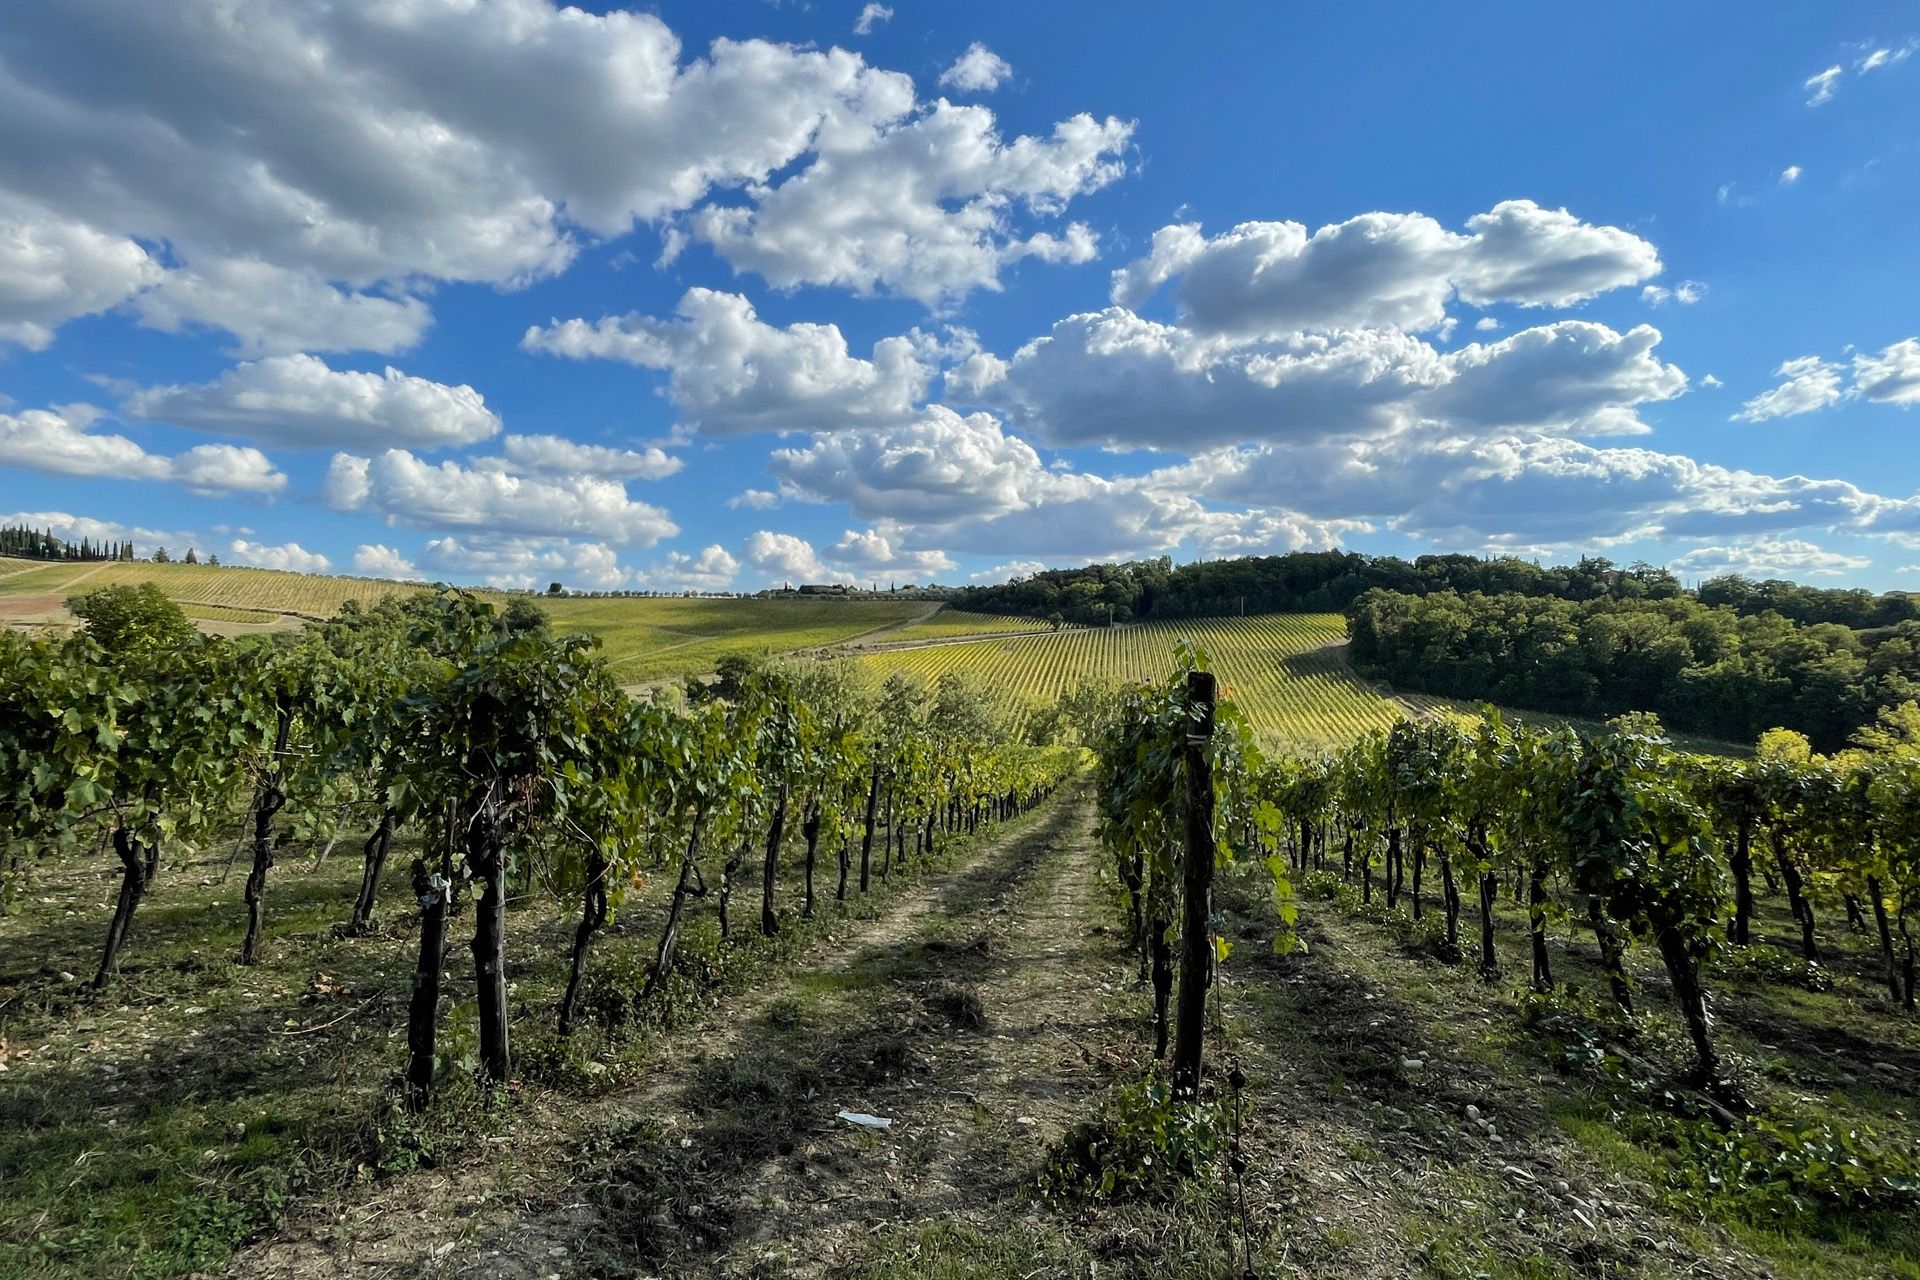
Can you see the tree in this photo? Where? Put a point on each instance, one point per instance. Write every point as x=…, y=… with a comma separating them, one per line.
x=123, y=619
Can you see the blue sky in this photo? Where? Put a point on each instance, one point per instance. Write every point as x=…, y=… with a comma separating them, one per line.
x=712, y=296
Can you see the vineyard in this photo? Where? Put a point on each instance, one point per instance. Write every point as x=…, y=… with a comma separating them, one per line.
x=408, y=943
x=1287, y=672
x=645, y=638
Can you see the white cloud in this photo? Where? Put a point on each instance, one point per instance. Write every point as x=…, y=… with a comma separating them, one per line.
x=960, y=484
x=214, y=469
x=1009, y=571
x=406, y=490
x=363, y=145
x=469, y=126
x=923, y=207
x=72, y=528
x=1686, y=293
x=942, y=467
x=297, y=400
x=1790, y=175
x=729, y=371
x=978, y=70
x=289, y=556
x=1537, y=493
x=62, y=442
x=1711, y=382
x=1819, y=86
x=1767, y=557
x=277, y=310
x=873, y=554
x=871, y=16
x=527, y=564
x=1810, y=383
x=53, y=269
x=712, y=570
x=754, y=499
x=556, y=455
x=1486, y=324
x=377, y=560
x=1266, y=279
x=1892, y=377
x=1114, y=378
x=787, y=557
x=1885, y=56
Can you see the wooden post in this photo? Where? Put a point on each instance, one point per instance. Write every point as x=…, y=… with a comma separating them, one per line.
x=1196, y=936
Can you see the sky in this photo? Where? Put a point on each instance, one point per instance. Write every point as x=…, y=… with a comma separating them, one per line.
x=718, y=296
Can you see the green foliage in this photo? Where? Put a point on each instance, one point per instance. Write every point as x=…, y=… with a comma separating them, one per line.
x=1712, y=670
x=1787, y=1171
x=124, y=619
x=1142, y=1143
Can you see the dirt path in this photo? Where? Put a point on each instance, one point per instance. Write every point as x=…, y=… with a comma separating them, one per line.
x=975, y=1044
x=668, y=1174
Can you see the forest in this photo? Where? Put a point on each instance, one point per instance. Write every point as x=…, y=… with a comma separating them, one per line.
x=1329, y=581
x=1707, y=669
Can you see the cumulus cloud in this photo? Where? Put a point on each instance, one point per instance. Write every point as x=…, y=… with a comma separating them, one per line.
x=377, y=560
x=960, y=484
x=871, y=16
x=407, y=490
x=713, y=569
x=290, y=556
x=72, y=528
x=922, y=207
x=978, y=70
x=525, y=564
x=788, y=557
x=54, y=269
x=214, y=469
x=1892, y=376
x=1767, y=557
x=936, y=469
x=1397, y=270
x=62, y=442
x=1790, y=175
x=728, y=371
x=280, y=310
x=754, y=499
x=1539, y=493
x=874, y=554
x=1008, y=571
x=1810, y=383
x=297, y=400
x=556, y=455
x=1117, y=379
x=342, y=150
x=471, y=125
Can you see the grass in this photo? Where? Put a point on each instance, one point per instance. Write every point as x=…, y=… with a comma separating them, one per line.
x=646, y=639
x=152, y=1128
x=1843, y=1056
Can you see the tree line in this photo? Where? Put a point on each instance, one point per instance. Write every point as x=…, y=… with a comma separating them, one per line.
x=501, y=755
x=1707, y=670
x=23, y=543
x=1329, y=581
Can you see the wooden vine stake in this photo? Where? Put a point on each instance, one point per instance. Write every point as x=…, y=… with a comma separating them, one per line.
x=1196, y=938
